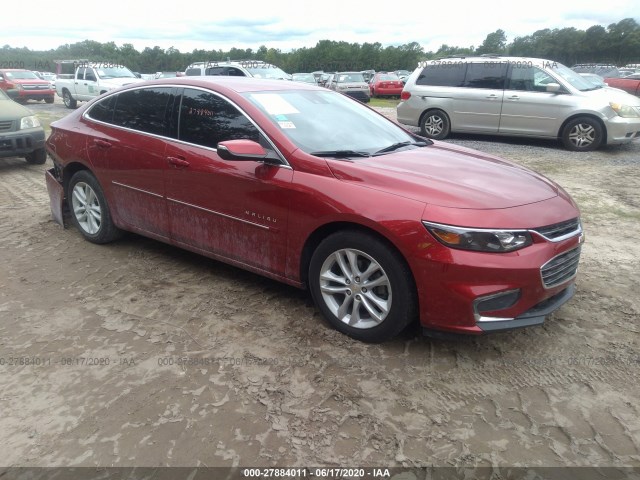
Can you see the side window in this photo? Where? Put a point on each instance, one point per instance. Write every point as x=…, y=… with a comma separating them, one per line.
x=206, y=119
x=486, y=75
x=442, y=75
x=103, y=110
x=193, y=72
x=89, y=75
x=143, y=109
x=214, y=71
x=529, y=79
x=235, y=72
x=80, y=75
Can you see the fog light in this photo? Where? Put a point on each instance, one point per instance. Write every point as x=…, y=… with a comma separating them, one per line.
x=493, y=303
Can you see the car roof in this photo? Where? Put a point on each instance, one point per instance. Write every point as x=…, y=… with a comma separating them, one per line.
x=236, y=84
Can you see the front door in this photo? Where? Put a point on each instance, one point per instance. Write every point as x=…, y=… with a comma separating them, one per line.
x=235, y=209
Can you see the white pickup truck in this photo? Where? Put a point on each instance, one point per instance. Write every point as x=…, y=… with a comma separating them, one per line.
x=91, y=80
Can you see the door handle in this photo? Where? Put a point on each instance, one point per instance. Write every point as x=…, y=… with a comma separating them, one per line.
x=178, y=162
x=102, y=143
x=492, y=97
x=514, y=97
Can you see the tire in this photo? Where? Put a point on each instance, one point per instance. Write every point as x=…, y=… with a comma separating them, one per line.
x=369, y=314
x=582, y=134
x=68, y=100
x=37, y=157
x=89, y=210
x=435, y=124
x=49, y=99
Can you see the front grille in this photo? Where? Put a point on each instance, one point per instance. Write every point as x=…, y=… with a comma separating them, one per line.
x=6, y=126
x=561, y=268
x=560, y=230
x=36, y=87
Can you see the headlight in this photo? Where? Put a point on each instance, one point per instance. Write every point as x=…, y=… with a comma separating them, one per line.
x=478, y=239
x=625, y=111
x=29, y=122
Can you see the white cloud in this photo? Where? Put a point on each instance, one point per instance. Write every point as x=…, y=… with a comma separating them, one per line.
x=288, y=24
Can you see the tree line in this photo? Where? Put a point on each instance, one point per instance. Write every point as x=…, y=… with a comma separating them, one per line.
x=618, y=43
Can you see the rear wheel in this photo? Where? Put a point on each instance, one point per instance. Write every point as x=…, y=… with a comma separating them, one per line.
x=582, y=134
x=68, y=100
x=435, y=124
x=362, y=286
x=89, y=209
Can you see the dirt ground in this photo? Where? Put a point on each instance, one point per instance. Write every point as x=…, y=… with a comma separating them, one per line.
x=138, y=353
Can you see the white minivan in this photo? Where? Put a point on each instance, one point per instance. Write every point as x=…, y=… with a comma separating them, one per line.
x=526, y=97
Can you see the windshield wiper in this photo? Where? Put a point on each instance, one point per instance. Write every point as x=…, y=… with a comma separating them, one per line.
x=340, y=153
x=398, y=145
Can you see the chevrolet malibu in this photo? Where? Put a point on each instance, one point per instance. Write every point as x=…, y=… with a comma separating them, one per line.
x=312, y=188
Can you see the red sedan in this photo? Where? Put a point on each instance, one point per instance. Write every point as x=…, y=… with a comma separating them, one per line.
x=309, y=187
x=386, y=85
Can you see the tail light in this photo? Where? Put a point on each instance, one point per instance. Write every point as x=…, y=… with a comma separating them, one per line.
x=405, y=95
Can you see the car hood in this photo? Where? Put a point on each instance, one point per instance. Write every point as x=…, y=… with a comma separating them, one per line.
x=611, y=94
x=353, y=85
x=10, y=110
x=448, y=176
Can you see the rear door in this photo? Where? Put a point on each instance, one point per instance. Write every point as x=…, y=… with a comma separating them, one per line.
x=478, y=103
x=131, y=142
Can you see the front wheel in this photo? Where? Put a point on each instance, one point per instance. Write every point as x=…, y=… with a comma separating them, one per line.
x=435, y=124
x=362, y=286
x=582, y=134
x=68, y=100
x=89, y=210
x=49, y=99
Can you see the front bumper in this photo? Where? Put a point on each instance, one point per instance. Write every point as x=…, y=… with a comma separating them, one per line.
x=622, y=130
x=35, y=94
x=21, y=143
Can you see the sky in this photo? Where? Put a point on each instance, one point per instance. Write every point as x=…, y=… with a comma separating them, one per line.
x=286, y=25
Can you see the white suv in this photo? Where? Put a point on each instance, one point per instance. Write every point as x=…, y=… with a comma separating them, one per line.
x=240, y=68
x=525, y=97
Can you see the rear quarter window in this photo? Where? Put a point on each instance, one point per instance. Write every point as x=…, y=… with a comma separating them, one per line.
x=442, y=75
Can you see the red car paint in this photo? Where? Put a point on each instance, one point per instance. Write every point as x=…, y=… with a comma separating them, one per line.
x=268, y=218
x=385, y=85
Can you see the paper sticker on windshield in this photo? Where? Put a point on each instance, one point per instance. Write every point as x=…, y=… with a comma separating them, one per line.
x=274, y=104
x=286, y=125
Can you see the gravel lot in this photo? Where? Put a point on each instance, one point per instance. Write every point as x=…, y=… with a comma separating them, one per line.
x=137, y=353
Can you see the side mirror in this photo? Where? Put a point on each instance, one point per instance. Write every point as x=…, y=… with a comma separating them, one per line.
x=553, y=87
x=246, y=150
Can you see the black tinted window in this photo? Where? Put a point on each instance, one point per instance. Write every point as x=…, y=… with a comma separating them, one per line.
x=206, y=119
x=103, y=110
x=214, y=71
x=443, y=75
x=485, y=75
x=193, y=72
x=143, y=109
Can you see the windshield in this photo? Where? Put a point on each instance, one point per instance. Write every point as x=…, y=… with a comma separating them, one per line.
x=304, y=77
x=272, y=72
x=321, y=121
x=574, y=79
x=387, y=77
x=22, y=75
x=115, y=72
x=350, y=77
